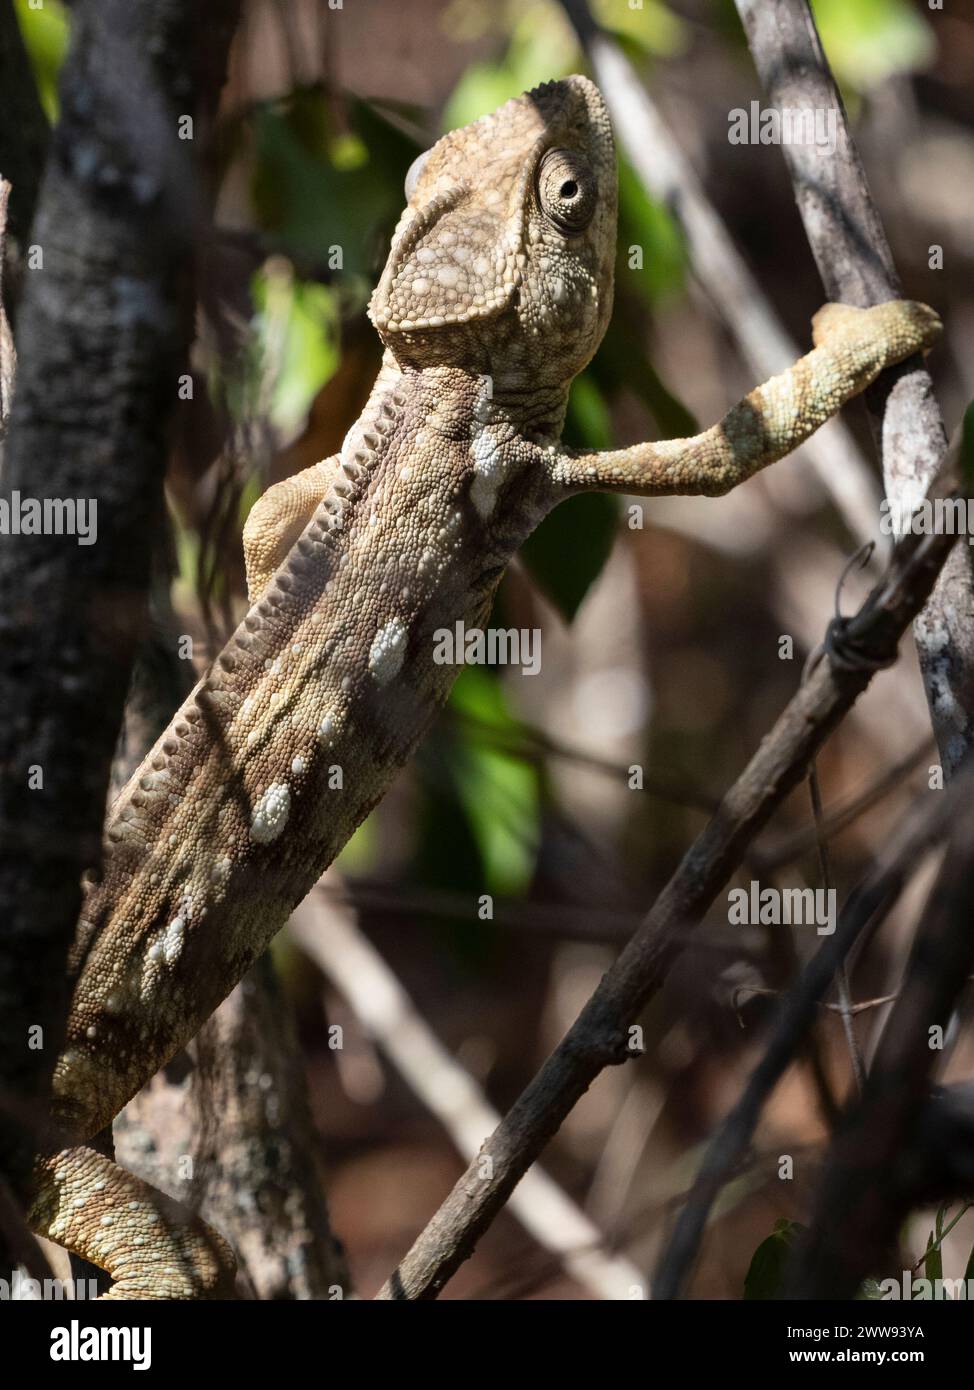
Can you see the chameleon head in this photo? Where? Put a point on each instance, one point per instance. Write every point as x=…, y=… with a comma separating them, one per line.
x=502, y=261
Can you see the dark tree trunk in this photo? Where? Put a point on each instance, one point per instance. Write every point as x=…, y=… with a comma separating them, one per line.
x=102, y=334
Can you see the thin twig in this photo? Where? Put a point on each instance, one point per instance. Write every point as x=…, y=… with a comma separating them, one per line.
x=332, y=939
x=863, y=1006
x=863, y=912
x=8, y=354
x=842, y=971
x=792, y=845
x=935, y=1245
x=876, y=1160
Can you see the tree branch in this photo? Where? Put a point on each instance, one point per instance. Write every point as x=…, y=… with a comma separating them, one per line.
x=599, y=1037
x=862, y=913
x=102, y=331
x=875, y=1163
x=856, y=266
x=334, y=942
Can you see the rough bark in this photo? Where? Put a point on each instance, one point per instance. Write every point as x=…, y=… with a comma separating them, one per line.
x=102, y=333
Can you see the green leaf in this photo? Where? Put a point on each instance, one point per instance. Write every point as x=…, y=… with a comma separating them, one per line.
x=297, y=343
x=933, y=1263
x=650, y=226
x=652, y=28
x=45, y=32
x=565, y=555
x=869, y=41
x=870, y=1291
x=499, y=792
x=765, y=1273
x=323, y=195
x=542, y=47
x=621, y=362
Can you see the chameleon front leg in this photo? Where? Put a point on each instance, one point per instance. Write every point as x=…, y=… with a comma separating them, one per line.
x=852, y=347
x=151, y=1245
x=277, y=519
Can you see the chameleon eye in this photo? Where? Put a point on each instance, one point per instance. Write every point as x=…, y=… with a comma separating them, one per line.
x=567, y=190
x=413, y=173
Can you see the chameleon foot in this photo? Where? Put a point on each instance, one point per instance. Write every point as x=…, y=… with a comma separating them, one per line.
x=895, y=329
x=150, y=1245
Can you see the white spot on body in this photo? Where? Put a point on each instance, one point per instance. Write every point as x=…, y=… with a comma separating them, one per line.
x=298, y=766
x=487, y=456
x=488, y=471
x=270, y=814
x=172, y=942
x=388, y=651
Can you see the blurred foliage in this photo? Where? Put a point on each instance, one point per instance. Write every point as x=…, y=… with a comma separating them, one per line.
x=296, y=331
x=650, y=30
x=498, y=792
x=326, y=196
x=566, y=553
x=765, y=1276
x=540, y=47
x=45, y=34
x=868, y=41
x=480, y=816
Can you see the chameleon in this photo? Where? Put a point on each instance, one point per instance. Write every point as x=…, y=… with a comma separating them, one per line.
x=497, y=292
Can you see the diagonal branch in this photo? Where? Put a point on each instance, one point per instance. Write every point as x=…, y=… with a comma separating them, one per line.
x=863, y=912
x=875, y=1162
x=600, y=1035
x=334, y=942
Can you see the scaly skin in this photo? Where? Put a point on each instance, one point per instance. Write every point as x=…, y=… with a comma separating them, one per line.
x=497, y=292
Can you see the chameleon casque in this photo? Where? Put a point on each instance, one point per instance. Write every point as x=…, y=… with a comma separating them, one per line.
x=496, y=293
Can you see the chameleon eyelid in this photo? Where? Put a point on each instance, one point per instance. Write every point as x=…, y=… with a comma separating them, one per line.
x=413, y=174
